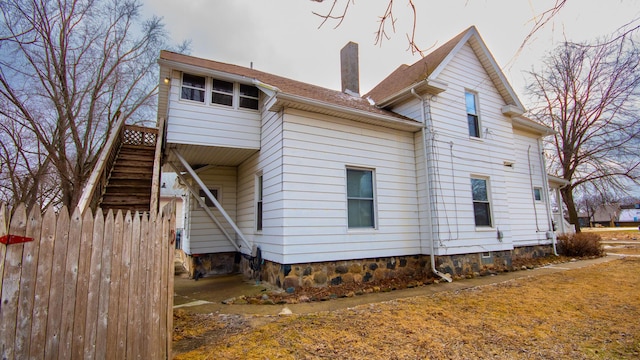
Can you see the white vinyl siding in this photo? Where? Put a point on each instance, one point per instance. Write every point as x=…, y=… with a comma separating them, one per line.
x=530, y=217
x=316, y=151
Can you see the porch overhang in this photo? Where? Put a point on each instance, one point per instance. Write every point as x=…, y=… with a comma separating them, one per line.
x=199, y=155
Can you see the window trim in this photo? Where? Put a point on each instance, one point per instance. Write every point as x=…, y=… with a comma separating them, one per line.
x=373, y=199
x=209, y=92
x=488, y=202
x=476, y=115
x=204, y=89
x=539, y=189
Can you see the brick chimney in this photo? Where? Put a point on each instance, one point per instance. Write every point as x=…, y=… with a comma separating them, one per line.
x=349, y=69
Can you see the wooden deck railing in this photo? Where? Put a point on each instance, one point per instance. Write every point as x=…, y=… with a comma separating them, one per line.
x=121, y=134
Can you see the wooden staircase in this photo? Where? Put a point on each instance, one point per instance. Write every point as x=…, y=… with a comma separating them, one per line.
x=127, y=173
x=129, y=185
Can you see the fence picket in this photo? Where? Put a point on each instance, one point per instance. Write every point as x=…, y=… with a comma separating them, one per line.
x=56, y=294
x=133, y=309
x=93, y=290
x=10, y=283
x=123, y=301
x=105, y=285
x=70, y=284
x=29, y=264
x=42, y=287
x=3, y=248
x=114, y=287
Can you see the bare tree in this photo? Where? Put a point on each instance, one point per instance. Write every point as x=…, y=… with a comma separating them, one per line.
x=589, y=94
x=387, y=21
x=66, y=68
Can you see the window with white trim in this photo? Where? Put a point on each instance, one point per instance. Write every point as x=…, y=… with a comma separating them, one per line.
x=481, y=201
x=222, y=92
x=537, y=193
x=360, y=198
x=473, y=121
x=259, y=209
x=248, y=97
x=193, y=87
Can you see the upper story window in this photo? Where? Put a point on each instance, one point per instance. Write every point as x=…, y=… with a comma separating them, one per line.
x=222, y=92
x=481, y=203
x=471, y=101
x=360, y=199
x=226, y=93
x=193, y=87
x=248, y=97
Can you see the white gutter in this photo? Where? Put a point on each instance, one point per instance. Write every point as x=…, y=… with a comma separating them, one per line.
x=446, y=277
x=545, y=184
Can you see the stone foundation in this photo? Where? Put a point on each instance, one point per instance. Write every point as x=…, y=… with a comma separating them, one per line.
x=361, y=271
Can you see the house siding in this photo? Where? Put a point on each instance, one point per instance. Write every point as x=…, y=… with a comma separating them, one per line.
x=316, y=152
x=196, y=123
x=269, y=162
x=204, y=236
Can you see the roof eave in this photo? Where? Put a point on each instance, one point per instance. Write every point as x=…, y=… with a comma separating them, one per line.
x=431, y=86
x=284, y=100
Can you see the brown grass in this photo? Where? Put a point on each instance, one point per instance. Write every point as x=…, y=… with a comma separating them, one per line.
x=588, y=313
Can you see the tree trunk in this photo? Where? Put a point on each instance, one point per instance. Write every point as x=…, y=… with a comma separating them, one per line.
x=567, y=198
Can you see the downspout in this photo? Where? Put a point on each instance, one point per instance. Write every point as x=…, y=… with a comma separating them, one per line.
x=428, y=186
x=545, y=184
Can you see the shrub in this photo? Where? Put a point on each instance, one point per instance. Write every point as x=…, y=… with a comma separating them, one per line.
x=580, y=245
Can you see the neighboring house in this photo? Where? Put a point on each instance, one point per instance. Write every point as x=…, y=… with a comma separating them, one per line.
x=629, y=215
x=605, y=215
x=170, y=191
x=308, y=186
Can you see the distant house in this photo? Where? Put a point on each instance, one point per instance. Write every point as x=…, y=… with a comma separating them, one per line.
x=434, y=170
x=629, y=216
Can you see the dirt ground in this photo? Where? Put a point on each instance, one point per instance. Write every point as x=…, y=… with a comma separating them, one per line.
x=588, y=313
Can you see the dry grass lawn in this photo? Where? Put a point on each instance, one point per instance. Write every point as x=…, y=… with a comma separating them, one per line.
x=588, y=313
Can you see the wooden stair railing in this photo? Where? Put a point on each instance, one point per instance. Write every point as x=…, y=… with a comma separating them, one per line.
x=97, y=182
x=140, y=139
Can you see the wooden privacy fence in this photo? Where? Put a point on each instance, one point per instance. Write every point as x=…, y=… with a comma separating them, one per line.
x=90, y=287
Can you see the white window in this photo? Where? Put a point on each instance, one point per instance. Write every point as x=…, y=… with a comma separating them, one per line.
x=193, y=87
x=222, y=92
x=481, y=203
x=248, y=97
x=473, y=121
x=225, y=93
x=537, y=193
x=259, y=209
x=360, y=198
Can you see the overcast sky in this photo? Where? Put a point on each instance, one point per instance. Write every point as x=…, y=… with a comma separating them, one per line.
x=282, y=36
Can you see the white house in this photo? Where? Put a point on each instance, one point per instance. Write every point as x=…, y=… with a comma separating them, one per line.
x=434, y=171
